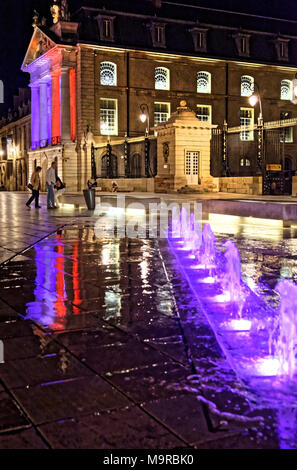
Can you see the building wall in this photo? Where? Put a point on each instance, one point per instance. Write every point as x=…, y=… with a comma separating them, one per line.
x=136, y=85
x=15, y=141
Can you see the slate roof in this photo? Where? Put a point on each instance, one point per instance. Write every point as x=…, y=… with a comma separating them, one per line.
x=179, y=16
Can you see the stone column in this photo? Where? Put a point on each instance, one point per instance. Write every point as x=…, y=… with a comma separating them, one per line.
x=65, y=105
x=35, y=130
x=56, y=108
x=43, y=114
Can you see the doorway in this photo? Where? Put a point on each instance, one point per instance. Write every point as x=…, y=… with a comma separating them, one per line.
x=192, y=167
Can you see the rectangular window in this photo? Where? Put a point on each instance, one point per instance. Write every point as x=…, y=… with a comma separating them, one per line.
x=286, y=133
x=162, y=113
x=203, y=113
x=108, y=116
x=246, y=119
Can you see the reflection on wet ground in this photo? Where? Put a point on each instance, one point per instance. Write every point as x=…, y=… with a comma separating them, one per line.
x=105, y=347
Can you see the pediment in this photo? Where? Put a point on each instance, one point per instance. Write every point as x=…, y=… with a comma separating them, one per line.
x=39, y=45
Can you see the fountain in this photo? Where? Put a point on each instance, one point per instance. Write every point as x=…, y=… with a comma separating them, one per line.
x=231, y=277
x=233, y=310
x=208, y=250
x=285, y=347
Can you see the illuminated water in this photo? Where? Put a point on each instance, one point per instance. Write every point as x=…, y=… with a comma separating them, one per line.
x=254, y=323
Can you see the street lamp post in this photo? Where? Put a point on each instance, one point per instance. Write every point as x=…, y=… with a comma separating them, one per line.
x=253, y=100
x=145, y=117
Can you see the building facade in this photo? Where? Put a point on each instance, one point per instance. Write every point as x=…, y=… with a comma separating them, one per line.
x=15, y=143
x=92, y=75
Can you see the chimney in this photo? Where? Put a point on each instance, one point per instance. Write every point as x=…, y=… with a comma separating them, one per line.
x=157, y=3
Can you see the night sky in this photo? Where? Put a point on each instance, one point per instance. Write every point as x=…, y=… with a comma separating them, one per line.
x=16, y=28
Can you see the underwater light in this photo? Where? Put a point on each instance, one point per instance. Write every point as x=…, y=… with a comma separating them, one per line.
x=208, y=280
x=240, y=324
x=221, y=298
x=267, y=366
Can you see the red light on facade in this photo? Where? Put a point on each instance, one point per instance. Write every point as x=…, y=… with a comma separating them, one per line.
x=72, y=88
x=56, y=107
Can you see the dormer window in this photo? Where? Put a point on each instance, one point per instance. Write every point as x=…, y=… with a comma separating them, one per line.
x=106, y=27
x=158, y=34
x=199, y=36
x=242, y=42
x=282, y=49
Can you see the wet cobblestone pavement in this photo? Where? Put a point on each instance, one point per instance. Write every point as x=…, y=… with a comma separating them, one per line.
x=106, y=348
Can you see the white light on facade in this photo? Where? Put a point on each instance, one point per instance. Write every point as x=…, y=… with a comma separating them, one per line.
x=253, y=100
x=143, y=117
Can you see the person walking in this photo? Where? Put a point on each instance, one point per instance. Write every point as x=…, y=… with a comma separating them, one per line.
x=50, y=184
x=35, y=185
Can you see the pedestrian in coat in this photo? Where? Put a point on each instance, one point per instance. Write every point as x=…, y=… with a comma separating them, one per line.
x=35, y=187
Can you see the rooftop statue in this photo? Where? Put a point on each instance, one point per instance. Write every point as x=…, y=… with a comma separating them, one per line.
x=60, y=11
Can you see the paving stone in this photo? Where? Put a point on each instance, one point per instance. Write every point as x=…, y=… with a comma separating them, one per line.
x=126, y=429
x=39, y=370
x=10, y=415
x=100, y=335
x=17, y=328
x=67, y=399
x=122, y=356
x=183, y=414
x=22, y=439
x=172, y=346
x=151, y=382
x=29, y=346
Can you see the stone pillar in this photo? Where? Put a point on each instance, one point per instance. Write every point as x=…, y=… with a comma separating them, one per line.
x=35, y=130
x=43, y=114
x=56, y=108
x=65, y=105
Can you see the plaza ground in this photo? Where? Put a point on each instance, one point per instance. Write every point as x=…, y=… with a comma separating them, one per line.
x=105, y=346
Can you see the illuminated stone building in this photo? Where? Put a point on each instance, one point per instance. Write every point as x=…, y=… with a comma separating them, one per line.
x=15, y=142
x=91, y=74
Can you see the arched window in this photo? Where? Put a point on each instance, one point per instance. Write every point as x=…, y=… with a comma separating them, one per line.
x=286, y=90
x=109, y=166
x=1, y=92
x=135, y=166
x=162, y=78
x=247, y=85
x=203, y=82
x=108, y=74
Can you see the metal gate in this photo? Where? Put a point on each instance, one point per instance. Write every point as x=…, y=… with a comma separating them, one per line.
x=251, y=150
